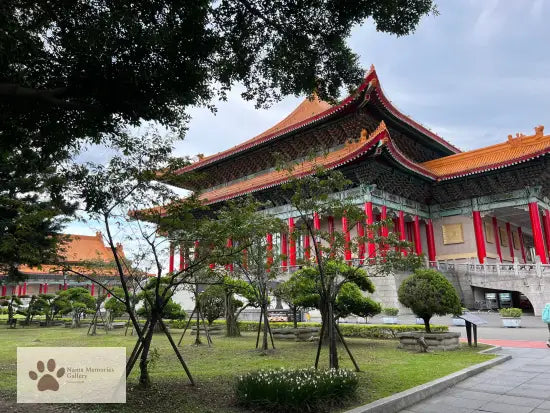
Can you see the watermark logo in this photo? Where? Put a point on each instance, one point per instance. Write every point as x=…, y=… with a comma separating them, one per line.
x=47, y=381
x=71, y=375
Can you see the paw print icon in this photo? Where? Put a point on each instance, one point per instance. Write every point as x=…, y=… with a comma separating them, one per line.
x=47, y=381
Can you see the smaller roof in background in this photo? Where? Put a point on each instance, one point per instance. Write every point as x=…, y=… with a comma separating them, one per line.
x=87, y=248
x=85, y=253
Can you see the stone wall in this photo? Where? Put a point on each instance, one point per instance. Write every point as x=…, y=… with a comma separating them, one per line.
x=435, y=341
x=386, y=291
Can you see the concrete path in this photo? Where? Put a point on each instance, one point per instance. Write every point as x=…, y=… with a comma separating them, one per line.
x=521, y=385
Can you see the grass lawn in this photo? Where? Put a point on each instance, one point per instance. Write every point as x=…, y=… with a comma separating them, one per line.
x=385, y=369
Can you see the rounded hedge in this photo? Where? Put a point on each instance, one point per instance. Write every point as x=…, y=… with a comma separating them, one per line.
x=427, y=293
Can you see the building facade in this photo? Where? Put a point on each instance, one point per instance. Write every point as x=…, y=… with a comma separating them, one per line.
x=86, y=254
x=481, y=216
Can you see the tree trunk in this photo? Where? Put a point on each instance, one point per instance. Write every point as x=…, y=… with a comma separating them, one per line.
x=144, y=379
x=325, y=321
x=198, y=333
x=333, y=349
x=266, y=329
x=427, y=325
x=231, y=326
x=294, y=316
x=74, y=323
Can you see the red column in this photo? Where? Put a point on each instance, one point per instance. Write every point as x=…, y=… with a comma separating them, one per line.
x=211, y=265
x=284, y=250
x=65, y=285
x=384, y=229
x=92, y=290
x=13, y=290
x=430, y=240
x=229, y=245
x=510, y=240
x=546, y=223
x=171, y=262
x=417, y=240
x=402, y=234
x=537, y=231
x=370, y=221
x=316, y=226
x=331, y=234
x=522, y=245
x=196, y=249
x=45, y=288
x=347, y=239
x=4, y=291
x=361, y=246
x=480, y=240
x=40, y=288
x=24, y=288
x=269, y=248
x=292, y=243
x=497, y=238
x=307, y=247
x=410, y=231
x=19, y=290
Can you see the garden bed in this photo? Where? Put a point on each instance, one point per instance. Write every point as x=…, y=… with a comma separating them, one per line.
x=376, y=331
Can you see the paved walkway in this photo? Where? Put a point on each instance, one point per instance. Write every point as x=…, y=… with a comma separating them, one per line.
x=521, y=385
x=510, y=343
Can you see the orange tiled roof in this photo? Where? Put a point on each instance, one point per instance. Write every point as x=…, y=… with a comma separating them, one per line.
x=515, y=150
x=265, y=180
x=309, y=112
x=305, y=110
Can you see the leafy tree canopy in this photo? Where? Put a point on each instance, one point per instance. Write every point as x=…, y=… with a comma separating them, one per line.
x=81, y=72
x=304, y=289
x=427, y=293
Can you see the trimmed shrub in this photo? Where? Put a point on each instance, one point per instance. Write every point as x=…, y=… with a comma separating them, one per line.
x=295, y=390
x=390, y=311
x=376, y=331
x=428, y=293
x=511, y=312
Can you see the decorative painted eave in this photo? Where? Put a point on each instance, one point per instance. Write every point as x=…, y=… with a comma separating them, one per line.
x=395, y=153
x=334, y=159
x=505, y=154
x=370, y=84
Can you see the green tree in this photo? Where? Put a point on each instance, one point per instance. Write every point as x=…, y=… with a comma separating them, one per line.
x=327, y=271
x=427, y=293
x=211, y=302
x=115, y=307
x=233, y=290
x=288, y=291
x=169, y=309
x=13, y=303
x=77, y=73
x=250, y=261
x=304, y=290
x=50, y=305
x=78, y=302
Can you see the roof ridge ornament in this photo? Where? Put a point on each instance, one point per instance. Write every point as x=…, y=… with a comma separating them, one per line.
x=520, y=138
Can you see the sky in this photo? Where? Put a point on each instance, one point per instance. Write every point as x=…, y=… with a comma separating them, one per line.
x=474, y=74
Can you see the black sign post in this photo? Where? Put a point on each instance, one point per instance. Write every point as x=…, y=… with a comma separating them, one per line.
x=472, y=320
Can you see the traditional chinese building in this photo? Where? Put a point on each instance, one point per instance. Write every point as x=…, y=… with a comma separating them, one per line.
x=85, y=254
x=482, y=216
